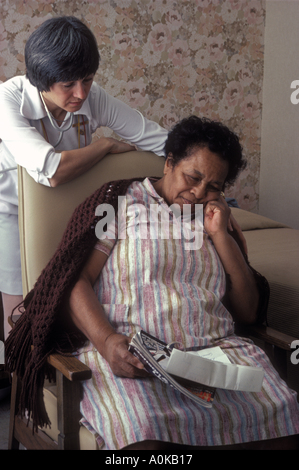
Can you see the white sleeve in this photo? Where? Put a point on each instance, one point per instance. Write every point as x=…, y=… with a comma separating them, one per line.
x=23, y=144
x=128, y=123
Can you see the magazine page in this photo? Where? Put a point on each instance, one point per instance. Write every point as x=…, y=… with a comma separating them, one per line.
x=213, y=372
x=149, y=351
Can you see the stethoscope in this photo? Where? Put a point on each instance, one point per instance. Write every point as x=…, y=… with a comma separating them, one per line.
x=54, y=125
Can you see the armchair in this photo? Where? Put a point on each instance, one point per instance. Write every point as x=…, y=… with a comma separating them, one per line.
x=43, y=216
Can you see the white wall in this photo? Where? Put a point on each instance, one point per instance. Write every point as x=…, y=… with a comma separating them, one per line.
x=279, y=177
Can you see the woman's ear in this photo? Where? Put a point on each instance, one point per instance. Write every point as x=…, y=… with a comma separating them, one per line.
x=168, y=163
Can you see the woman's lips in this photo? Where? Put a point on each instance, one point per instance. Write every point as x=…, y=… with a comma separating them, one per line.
x=186, y=201
x=76, y=104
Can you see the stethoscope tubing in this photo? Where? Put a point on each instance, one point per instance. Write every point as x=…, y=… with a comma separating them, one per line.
x=55, y=126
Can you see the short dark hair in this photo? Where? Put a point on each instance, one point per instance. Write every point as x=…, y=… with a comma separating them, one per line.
x=193, y=132
x=62, y=49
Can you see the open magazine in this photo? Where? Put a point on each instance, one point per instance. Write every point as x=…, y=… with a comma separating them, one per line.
x=151, y=352
x=196, y=374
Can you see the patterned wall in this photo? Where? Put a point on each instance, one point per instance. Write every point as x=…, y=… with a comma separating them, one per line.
x=169, y=59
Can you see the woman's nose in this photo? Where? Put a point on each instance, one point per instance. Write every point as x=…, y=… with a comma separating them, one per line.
x=199, y=191
x=79, y=91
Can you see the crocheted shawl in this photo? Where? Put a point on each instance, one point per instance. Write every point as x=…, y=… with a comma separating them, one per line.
x=44, y=326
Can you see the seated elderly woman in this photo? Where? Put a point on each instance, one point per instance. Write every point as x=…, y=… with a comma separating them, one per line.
x=173, y=290
x=133, y=281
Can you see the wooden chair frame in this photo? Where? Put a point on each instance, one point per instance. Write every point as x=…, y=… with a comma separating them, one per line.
x=69, y=374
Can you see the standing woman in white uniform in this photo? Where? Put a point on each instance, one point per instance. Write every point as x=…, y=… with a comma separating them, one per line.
x=47, y=119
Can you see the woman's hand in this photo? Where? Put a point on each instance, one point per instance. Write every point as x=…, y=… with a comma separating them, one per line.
x=121, y=361
x=118, y=146
x=217, y=217
x=74, y=163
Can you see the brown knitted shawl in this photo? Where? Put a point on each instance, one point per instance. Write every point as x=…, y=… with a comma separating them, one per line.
x=44, y=323
x=44, y=326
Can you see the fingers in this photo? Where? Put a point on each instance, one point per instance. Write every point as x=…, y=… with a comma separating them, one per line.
x=122, y=361
x=127, y=365
x=217, y=205
x=131, y=367
x=217, y=213
x=119, y=146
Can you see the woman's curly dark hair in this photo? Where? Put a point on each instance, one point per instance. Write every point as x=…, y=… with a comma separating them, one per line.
x=193, y=132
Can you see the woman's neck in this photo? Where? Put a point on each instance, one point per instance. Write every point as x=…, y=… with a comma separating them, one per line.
x=57, y=112
x=158, y=186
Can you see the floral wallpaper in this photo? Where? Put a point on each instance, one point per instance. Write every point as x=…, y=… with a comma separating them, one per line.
x=169, y=59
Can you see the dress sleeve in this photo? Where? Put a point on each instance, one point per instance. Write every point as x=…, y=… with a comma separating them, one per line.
x=126, y=122
x=22, y=143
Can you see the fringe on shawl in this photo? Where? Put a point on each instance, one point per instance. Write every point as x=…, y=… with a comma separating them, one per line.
x=42, y=328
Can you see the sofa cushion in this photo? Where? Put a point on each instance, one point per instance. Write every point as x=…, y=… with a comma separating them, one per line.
x=273, y=250
x=251, y=221
x=275, y=254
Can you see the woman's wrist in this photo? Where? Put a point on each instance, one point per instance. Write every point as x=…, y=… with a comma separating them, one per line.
x=220, y=237
x=102, y=340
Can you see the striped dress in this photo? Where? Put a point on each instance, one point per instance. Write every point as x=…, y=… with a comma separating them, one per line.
x=160, y=285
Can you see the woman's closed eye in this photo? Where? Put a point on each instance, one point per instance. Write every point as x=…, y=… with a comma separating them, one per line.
x=193, y=179
x=214, y=189
x=68, y=85
x=86, y=81
x=196, y=180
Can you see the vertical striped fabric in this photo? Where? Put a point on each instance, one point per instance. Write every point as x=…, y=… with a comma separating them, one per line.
x=172, y=292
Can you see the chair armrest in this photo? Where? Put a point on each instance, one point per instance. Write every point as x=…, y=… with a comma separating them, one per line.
x=269, y=335
x=70, y=367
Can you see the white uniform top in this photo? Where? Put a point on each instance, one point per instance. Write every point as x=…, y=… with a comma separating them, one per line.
x=25, y=142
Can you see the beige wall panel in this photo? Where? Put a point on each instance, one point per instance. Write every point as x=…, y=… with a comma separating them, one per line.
x=279, y=177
